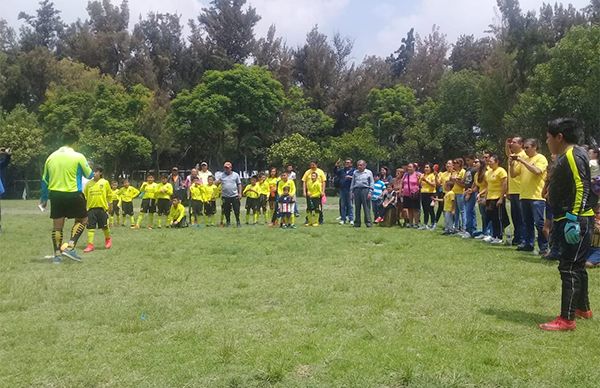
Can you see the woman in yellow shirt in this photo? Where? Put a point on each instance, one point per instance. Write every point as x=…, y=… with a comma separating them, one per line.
x=428, y=183
x=478, y=189
x=495, y=208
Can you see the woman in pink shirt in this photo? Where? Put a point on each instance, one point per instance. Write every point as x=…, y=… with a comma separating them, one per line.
x=411, y=194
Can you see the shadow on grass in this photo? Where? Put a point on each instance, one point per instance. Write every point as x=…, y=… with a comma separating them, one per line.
x=516, y=316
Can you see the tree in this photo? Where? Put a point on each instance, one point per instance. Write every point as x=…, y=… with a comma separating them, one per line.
x=42, y=30
x=404, y=54
x=20, y=131
x=469, y=53
x=8, y=40
x=295, y=150
x=360, y=143
x=299, y=117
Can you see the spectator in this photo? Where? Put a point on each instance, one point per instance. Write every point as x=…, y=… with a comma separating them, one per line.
x=5, y=156
x=344, y=177
x=443, y=177
x=204, y=173
x=495, y=207
x=457, y=178
x=361, y=189
x=411, y=195
x=472, y=166
x=313, y=167
x=377, y=198
x=514, y=147
x=384, y=175
x=593, y=259
x=594, y=166
x=231, y=193
x=428, y=182
x=179, y=187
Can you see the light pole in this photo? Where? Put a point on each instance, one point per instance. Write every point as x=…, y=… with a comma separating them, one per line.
x=378, y=140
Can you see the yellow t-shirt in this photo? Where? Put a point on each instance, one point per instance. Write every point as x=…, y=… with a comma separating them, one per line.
x=164, y=191
x=314, y=188
x=176, y=213
x=444, y=177
x=290, y=183
x=114, y=195
x=449, y=198
x=531, y=184
x=264, y=188
x=428, y=183
x=149, y=190
x=459, y=175
x=272, y=182
x=321, y=177
x=481, y=185
x=252, y=191
x=514, y=184
x=196, y=191
x=127, y=194
x=209, y=193
x=97, y=194
x=494, y=180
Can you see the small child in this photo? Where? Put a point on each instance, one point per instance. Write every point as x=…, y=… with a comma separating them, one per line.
x=164, y=191
x=449, y=208
x=593, y=259
x=195, y=200
x=127, y=193
x=210, y=192
x=97, y=194
x=263, y=199
x=252, y=194
x=148, y=201
x=314, y=189
x=176, y=218
x=286, y=207
x=114, y=200
x=377, y=198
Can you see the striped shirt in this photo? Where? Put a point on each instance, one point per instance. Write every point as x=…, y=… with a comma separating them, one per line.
x=378, y=188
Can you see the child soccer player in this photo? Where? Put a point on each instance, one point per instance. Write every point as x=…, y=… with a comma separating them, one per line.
x=314, y=189
x=252, y=193
x=97, y=194
x=195, y=200
x=263, y=199
x=127, y=193
x=148, y=201
x=176, y=218
x=164, y=192
x=114, y=210
x=377, y=198
x=209, y=201
x=286, y=207
x=449, y=208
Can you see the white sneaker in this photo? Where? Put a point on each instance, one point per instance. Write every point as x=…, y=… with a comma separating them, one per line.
x=342, y=222
x=496, y=241
x=433, y=227
x=466, y=235
x=352, y=223
x=480, y=237
x=422, y=227
x=338, y=218
x=487, y=239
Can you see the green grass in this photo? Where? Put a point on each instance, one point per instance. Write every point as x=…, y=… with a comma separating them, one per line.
x=329, y=306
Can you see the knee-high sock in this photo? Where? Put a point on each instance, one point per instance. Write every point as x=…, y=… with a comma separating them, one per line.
x=159, y=221
x=106, y=233
x=140, y=219
x=91, y=233
x=57, y=239
x=76, y=232
x=131, y=220
x=247, y=216
x=293, y=219
x=151, y=220
x=111, y=220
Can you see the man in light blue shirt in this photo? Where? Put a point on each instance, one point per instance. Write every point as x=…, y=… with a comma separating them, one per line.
x=361, y=190
x=231, y=193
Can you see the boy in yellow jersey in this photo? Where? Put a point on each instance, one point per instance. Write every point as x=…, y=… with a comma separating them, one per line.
x=252, y=194
x=263, y=199
x=97, y=193
x=321, y=176
x=127, y=193
x=314, y=189
x=176, y=217
x=148, y=201
x=114, y=199
x=195, y=192
x=449, y=203
x=208, y=196
x=164, y=192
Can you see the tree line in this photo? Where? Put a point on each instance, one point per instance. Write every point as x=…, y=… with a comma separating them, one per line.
x=153, y=97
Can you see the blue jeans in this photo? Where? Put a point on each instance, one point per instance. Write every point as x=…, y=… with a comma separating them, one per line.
x=471, y=219
x=448, y=222
x=459, y=216
x=486, y=226
x=533, y=218
x=516, y=215
x=346, y=210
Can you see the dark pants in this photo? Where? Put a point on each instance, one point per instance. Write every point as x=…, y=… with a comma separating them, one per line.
x=346, y=211
x=377, y=208
x=228, y=204
x=533, y=218
x=516, y=216
x=470, y=217
x=571, y=266
x=497, y=216
x=361, y=200
x=440, y=209
x=428, y=210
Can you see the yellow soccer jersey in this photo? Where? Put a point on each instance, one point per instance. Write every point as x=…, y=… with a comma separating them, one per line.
x=321, y=177
x=264, y=188
x=272, y=185
x=209, y=193
x=449, y=199
x=290, y=183
x=314, y=188
x=252, y=191
x=127, y=194
x=97, y=194
x=176, y=213
x=149, y=190
x=114, y=195
x=164, y=191
x=196, y=192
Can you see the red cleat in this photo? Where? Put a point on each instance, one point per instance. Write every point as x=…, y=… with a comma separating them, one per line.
x=559, y=324
x=108, y=243
x=89, y=248
x=584, y=314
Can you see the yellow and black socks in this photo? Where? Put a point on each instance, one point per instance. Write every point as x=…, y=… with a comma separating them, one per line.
x=76, y=232
x=57, y=239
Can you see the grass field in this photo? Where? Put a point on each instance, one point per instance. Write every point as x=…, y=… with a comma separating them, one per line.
x=252, y=307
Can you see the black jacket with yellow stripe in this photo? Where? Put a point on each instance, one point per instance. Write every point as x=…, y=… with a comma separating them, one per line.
x=570, y=185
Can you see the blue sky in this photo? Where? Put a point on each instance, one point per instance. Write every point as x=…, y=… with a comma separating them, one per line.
x=376, y=26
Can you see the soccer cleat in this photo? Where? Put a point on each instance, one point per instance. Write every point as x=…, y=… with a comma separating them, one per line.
x=559, y=324
x=89, y=248
x=150, y=228
x=136, y=226
x=584, y=314
x=315, y=224
x=56, y=260
x=71, y=253
x=64, y=246
x=108, y=243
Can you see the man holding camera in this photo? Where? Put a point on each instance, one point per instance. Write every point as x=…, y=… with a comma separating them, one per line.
x=5, y=155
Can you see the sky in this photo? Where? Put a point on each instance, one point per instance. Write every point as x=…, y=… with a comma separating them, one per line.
x=375, y=26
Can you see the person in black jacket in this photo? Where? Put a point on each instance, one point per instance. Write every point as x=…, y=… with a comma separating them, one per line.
x=4, y=161
x=572, y=202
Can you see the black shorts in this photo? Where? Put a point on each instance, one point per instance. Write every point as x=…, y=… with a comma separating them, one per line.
x=67, y=205
x=148, y=205
x=413, y=203
x=115, y=208
x=314, y=204
x=210, y=208
x=164, y=206
x=97, y=218
x=262, y=202
x=252, y=204
x=127, y=208
x=197, y=207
